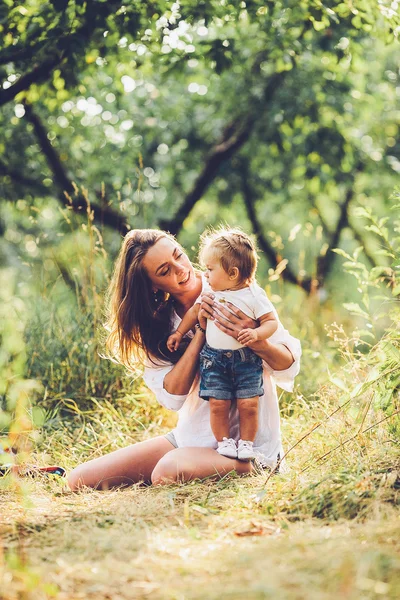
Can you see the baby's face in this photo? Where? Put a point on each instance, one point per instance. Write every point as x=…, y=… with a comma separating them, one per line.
x=218, y=279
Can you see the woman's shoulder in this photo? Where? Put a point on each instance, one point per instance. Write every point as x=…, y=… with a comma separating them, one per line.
x=151, y=363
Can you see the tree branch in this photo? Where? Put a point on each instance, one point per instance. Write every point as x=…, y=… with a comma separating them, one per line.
x=325, y=262
x=287, y=274
x=358, y=237
x=12, y=54
x=18, y=177
x=102, y=215
x=38, y=74
x=235, y=136
x=220, y=153
x=60, y=51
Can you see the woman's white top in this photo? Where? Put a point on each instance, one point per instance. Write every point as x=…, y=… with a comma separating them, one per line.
x=251, y=300
x=193, y=428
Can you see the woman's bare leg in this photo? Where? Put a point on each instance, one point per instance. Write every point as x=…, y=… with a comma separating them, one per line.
x=122, y=467
x=185, y=464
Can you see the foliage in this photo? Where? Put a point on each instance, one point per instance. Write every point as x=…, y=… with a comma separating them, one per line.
x=276, y=116
x=376, y=354
x=16, y=391
x=145, y=99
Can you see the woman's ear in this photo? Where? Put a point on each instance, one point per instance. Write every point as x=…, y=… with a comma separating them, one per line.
x=233, y=273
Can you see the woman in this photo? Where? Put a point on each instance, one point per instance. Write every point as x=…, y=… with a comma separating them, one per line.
x=153, y=286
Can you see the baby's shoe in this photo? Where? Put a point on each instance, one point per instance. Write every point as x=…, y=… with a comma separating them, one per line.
x=245, y=450
x=227, y=448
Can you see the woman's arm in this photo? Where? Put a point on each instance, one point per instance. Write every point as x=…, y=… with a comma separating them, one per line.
x=278, y=356
x=180, y=378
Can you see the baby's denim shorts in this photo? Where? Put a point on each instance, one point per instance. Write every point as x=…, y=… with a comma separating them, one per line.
x=230, y=374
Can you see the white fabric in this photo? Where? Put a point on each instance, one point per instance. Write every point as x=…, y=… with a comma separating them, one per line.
x=252, y=300
x=193, y=428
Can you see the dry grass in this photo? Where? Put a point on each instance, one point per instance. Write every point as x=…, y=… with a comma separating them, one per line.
x=154, y=543
x=330, y=530
x=326, y=528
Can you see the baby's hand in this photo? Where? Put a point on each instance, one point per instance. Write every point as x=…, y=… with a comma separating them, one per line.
x=247, y=336
x=173, y=341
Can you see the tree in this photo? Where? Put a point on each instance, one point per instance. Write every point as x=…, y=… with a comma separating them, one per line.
x=261, y=105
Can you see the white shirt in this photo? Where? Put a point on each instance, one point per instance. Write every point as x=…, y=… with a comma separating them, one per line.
x=193, y=428
x=251, y=300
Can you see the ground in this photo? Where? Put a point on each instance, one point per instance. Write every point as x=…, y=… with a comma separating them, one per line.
x=200, y=540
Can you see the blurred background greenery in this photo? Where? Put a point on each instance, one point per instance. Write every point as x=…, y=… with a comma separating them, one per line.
x=280, y=117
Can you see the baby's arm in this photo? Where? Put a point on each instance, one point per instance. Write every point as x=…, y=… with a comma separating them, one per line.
x=187, y=323
x=268, y=326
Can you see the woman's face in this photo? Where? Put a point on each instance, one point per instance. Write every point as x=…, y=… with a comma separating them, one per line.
x=168, y=268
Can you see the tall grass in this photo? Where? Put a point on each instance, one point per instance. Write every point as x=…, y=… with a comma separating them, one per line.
x=340, y=428
x=64, y=345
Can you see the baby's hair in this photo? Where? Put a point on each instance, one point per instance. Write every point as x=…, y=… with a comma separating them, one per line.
x=231, y=247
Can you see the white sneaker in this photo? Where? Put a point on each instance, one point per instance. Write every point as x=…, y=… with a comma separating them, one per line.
x=245, y=450
x=227, y=448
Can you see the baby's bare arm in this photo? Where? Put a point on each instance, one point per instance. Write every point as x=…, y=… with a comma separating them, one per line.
x=268, y=326
x=189, y=320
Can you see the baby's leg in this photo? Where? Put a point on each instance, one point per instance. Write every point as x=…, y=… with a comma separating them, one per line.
x=219, y=418
x=248, y=417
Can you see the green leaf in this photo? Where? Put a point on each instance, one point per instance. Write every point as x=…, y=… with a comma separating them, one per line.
x=342, y=253
x=374, y=229
x=339, y=383
x=356, y=309
x=377, y=271
x=365, y=333
x=360, y=211
x=396, y=290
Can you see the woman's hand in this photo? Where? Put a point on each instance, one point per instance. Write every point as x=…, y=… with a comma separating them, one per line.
x=227, y=317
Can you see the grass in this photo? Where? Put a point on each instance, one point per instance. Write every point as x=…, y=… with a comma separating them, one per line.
x=155, y=543
x=329, y=526
x=326, y=527
x=311, y=533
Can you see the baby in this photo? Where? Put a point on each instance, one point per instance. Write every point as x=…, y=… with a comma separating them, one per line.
x=229, y=370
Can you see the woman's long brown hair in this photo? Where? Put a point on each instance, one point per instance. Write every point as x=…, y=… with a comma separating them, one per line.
x=138, y=320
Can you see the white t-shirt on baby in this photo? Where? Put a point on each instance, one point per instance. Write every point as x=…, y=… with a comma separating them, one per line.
x=251, y=300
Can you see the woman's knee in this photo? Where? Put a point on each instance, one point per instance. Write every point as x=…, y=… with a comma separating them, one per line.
x=166, y=470
x=179, y=466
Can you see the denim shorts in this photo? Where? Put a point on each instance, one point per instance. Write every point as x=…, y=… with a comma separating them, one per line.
x=230, y=374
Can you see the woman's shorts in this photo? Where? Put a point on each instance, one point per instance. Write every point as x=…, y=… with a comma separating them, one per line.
x=230, y=374
x=170, y=436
